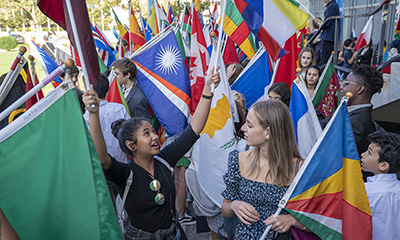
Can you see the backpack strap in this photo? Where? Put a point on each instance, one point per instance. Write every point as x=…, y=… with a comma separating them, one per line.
x=129, y=182
x=171, y=169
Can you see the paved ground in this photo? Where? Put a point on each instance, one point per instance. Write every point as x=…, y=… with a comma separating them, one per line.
x=191, y=234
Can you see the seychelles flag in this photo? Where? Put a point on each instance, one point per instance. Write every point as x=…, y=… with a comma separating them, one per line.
x=164, y=79
x=328, y=194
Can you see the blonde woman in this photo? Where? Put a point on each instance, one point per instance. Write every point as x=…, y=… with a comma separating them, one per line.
x=257, y=179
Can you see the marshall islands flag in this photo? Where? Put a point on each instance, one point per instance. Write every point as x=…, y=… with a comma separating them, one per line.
x=328, y=194
x=163, y=77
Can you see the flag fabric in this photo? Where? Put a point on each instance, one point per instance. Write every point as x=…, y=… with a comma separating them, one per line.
x=102, y=35
x=185, y=51
x=366, y=34
x=69, y=194
x=328, y=194
x=230, y=55
x=213, y=17
x=199, y=60
x=136, y=36
x=217, y=139
x=305, y=121
x=29, y=85
x=143, y=22
x=123, y=33
x=186, y=22
x=286, y=71
x=17, y=90
x=104, y=50
x=255, y=78
x=171, y=16
x=207, y=37
x=326, y=94
x=115, y=94
x=46, y=62
x=261, y=18
x=153, y=21
x=53, y=10
x=164, y=80
x=236, y=28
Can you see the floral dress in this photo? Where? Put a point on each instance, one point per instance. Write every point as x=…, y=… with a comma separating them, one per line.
x=263, y=197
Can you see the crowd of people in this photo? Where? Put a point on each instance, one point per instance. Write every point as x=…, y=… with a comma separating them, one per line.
x=264, y=163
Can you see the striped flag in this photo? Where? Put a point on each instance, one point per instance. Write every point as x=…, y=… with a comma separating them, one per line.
x=171, y=16
x=255, y=78
x=328, y=194
x=123, y=33
x=262, y=17
x=136, y=36
x=238, y=31
x=115, y=94
x=163, y=77
x=305, y=120
x=46, y=62
x=326, y=95
x=286, y=71
x=104, y=50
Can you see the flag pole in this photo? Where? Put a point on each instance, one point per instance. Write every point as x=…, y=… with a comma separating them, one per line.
x=67, y=64
x=285, y=198
x=130, y=41
x=33, y=73
x=3, y=94
x=221, y=27
x=78, y=44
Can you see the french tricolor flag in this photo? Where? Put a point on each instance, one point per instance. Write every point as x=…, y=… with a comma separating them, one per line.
x=366, y=34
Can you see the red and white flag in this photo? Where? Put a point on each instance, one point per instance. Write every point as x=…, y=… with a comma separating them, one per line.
x=365, y=35
x=199, y=60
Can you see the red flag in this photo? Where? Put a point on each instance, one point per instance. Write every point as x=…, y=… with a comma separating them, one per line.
x=136, y=35
x=29, y=85
x=230, y=54
x=58, y=12
x=199, y=60
x=286, y=71
x=115, y=95
x=366, y=34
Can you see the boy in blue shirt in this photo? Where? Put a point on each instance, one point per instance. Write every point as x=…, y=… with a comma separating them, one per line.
x=383, y=189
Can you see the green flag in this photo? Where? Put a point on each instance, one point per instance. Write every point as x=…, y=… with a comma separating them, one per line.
x=51, y=182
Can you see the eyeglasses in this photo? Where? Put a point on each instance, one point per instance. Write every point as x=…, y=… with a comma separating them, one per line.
x=346, y=83
x=155, y=186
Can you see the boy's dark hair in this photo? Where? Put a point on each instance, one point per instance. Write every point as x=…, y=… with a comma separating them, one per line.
x=102, y=86
x=390, y=148
x=126, y=66
x=371, y=78
x=74, y=69
x=347, y=42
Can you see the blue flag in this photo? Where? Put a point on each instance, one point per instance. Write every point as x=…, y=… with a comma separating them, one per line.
x=165, y=81
x=45, y=61
x=254, y=79
x=104, y=50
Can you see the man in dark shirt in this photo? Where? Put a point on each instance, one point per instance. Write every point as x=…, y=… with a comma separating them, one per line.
x=328, y=33
x=349, y=54
x=363, y=82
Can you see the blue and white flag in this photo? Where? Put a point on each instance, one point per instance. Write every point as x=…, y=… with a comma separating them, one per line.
x=164, y=80
x=45, y=61
x=103, y=48
x=305, y=120
x=255, y=79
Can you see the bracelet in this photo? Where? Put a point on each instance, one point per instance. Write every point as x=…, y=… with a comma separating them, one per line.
x=207, y=97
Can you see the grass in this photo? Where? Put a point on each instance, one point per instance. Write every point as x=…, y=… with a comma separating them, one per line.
x=7, y=58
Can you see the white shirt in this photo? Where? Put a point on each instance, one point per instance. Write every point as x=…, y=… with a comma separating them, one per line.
x=383, y=192
x=108, y=113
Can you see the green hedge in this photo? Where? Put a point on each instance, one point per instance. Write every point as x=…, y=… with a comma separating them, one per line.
x=8, y=43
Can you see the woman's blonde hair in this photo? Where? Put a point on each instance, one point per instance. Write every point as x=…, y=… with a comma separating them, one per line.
x=282, y=146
